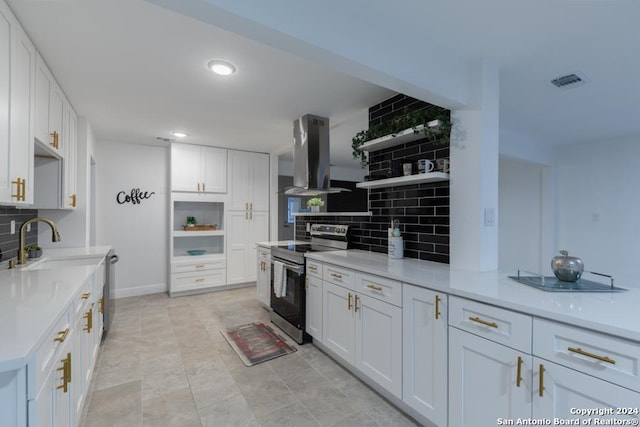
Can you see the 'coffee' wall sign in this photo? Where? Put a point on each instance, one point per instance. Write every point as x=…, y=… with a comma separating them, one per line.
x=135, y=196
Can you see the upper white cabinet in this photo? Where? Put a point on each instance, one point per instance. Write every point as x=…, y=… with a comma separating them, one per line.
x=17, y=64
x=70, y=161
x=196, y=168
x=49, y=108
x=248, y=181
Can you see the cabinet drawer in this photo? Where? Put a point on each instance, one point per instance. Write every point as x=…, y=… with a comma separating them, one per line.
x=193, y=267
x=83, y=298
x=314, y=268
x=339, y=276
x=264, y=254
x=603, y=356
x=191, y=281
x=503, y=326
x=379, y=288
x=48, y=352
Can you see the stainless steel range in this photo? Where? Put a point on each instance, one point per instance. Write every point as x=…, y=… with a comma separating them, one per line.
x=288, y=301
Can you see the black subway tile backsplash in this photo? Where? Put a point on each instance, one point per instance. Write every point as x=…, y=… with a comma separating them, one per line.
x=421, y=209
x=8, y=241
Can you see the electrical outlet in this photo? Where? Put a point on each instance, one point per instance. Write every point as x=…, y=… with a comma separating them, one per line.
x=489, y=217
x=13, y=226
x=28, y=227
x=308, y=227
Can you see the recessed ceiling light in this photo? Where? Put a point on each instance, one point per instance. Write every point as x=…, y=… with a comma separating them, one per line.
x=179, y=134
x=222, y=68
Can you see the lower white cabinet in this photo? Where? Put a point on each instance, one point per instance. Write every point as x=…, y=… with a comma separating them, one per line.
x=365, y=332
x=424, y=352
x=564, y=389
x=263, y=276
x=483, y=381
x=313, y=316
x=245, y=228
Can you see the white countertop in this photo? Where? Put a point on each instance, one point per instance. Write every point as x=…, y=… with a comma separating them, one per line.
x=612, y=313
x=280, y=243
x=31, y=301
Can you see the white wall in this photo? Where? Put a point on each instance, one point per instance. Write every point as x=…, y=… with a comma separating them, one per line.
x=599, y=206
x=138, y=233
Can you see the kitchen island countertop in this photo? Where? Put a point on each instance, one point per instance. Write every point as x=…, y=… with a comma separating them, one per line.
x=611, y=313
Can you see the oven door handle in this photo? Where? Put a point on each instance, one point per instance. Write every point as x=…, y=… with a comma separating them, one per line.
x=299, y=269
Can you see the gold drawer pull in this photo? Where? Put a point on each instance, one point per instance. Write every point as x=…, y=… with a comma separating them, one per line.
x=199, y=280
x=336, y=276
x=86, y=295
x=356, y=304
x=519, y=373
x=349, y=305
x=541, y=384
x=484, y=322
x=375, y=288
x=593, y=356
x=200, y=266
x=101, y=308
x=313, y=268
x=89, y=316
x=438, y=299
x=62, y=335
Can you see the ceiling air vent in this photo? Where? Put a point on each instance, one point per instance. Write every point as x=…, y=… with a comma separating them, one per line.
x=163, y=139
x=570, y=80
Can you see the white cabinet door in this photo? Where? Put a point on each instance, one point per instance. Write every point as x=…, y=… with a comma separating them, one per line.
x=248, y=181
x=17, y=62
x=565, y=389
x=185, y=167
x=214, y=170
x=244, y=229
x=424, y=344
x=77, y=356
x=62, y=397
x=378, y=352
x=42, y=91
x=482, y=381
x=263, y=282
x=56, y=115
x=338, y=321
x=239, y=171
x=313, y=316
x=70, y=195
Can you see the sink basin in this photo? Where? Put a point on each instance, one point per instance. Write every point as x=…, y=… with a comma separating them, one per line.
x=48, y=263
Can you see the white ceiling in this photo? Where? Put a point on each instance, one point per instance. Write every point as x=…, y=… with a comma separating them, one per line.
x=137, y=70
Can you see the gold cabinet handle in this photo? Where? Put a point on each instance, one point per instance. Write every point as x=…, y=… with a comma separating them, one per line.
x=375, y=288
x=438, y=299
x=356, y=307
x=246, y=206
x=74, y=200
x=591, y=355
x=250, y=214
x=66, y=373
x=62, y=335
x=336, y=276
x=19, y=187
x=89, y=316
x=101, y=307
x=24, y=191
x=349, y=305
x=199, y=280
x=86, y=295
x=55, y=136
x=313, y=268
x=306, y=284
x=246, y=214
x=484, y=322
x=519, y=372
x=198, y=186
x=203, y=187
x=251, y=206
x=541, y=383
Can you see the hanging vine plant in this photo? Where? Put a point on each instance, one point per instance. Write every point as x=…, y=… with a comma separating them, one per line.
x=439, y=134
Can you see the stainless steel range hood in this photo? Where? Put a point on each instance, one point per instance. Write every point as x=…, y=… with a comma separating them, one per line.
x=311, y=168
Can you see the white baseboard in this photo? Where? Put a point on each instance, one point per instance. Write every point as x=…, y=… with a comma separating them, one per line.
x=139, y=290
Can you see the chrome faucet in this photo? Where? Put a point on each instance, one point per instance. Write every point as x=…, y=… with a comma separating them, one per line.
x=55, y=236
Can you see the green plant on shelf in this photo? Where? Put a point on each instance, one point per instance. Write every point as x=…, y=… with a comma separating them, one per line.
x=439, y=134
x=315, y=201
x=191, y=221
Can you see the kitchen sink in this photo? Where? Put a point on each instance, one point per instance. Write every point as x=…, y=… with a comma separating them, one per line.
x=48, y=263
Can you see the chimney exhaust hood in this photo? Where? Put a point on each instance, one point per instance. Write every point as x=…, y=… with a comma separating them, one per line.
x=311, y=168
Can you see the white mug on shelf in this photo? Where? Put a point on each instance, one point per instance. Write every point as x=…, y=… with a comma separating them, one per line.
x=407, y=169
x=425, y=166
x=444, y=165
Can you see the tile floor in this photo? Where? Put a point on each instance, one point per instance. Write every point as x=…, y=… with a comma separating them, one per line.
x=165, y=363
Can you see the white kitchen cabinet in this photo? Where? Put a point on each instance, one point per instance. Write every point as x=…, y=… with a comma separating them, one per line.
x=49, y=108
x=424, y=344
x=483, y=381
x=313, y=315
x=564, y=389
x=364, y=331
x=189, y=272
x=244, y=230
x=70, y=161
x=263, y=278
x=248, y=181
x=200, y=169
x=17, y=65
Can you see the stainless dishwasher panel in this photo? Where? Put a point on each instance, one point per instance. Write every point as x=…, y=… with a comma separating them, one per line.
x=109, y=288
